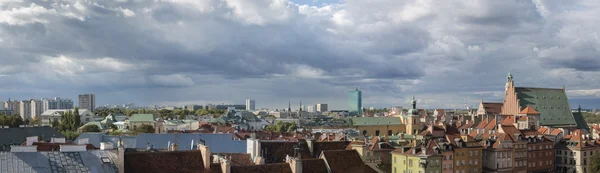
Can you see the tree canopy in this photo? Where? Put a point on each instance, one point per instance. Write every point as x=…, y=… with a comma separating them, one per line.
x=11, y=120
x=281, y=127
x=145, y=128
x=90, y=128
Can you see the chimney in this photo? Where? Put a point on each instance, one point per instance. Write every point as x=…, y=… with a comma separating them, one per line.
x=205, y=150
x=121, y=156
x=296, y=165
x=174, y=147
x=311, y=144
x=414, y=150
x=226, y=166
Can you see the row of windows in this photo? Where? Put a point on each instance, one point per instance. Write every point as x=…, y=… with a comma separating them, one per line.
x=540, y=163
x=571, y=153
x=533, y=155
x=464, y=162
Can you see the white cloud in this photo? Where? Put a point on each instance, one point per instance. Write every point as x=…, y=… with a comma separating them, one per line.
x=175, y=80
x=24, y=15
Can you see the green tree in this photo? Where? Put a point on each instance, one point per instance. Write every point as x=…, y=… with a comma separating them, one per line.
x=76, y=119
x=90, y=128
x=16, y=121
x=54, y=123
x=34, y=121
x=594, y=165
x=26, y=122
x=145, y=128
x=70, y=135
x=292, y=127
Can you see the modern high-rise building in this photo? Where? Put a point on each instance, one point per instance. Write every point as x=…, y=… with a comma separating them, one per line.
x=25, y=109
x=56, y=103
x=321, y=107
x=355, y=102
x=36, y=108
x=311, y=108
x=250, y=105
x=87, y=101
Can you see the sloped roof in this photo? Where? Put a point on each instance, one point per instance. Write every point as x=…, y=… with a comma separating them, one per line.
x=529, y=111
x=237, y=158
x=369, y=121
x=492, y=108
x=173, y=161
x=16, y=136
x=314, y=166
x=142, y=117
x=552, y=104
x=318, y=147
x=581, y=124
x=508, y=121
x=276, y=151
x=30, y=162
x=276, y=167
x=344, y=161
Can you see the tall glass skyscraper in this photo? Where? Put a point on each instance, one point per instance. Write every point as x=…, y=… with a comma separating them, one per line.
x=355, y=102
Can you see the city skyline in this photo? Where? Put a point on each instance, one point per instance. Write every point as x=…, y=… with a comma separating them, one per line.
x=221, y=51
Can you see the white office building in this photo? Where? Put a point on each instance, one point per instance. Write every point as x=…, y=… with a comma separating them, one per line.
x=36, y=108
x=321, y=107
x=56, y=103
x=250, y=105
x=87, y=101
x=25, y=109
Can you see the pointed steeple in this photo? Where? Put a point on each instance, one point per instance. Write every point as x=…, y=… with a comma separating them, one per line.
x=579, y=108
x=300, y=106
x=289, y=106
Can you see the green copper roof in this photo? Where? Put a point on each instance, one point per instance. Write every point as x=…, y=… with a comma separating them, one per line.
x=370, y=121
x=552, y=104
x=141, y=117
x=581, y=124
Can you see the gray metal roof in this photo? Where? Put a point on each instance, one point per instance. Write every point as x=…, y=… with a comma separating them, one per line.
x=218, y=143
x=88, y=161
x=17, y=136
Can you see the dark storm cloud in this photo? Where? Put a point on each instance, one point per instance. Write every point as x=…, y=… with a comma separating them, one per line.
x=275, y=50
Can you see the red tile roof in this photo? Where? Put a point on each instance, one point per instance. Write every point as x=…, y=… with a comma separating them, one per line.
x=556, y=132
x=174, y=161
x=543, y=130
x=529, y=111
x=276, y=167
x=237, y=158
x=344, y=161
x=314, y=166
x=276, y=151
x=492, y=108
x=508, y=121
x=491, y=125
x=482, y=124
x=318, y=147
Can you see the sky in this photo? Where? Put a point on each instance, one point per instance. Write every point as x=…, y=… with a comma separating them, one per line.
x=176, y=52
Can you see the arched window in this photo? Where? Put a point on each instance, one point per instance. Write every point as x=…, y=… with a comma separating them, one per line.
x=364, y=132
x=376, y=132
x=390, y=133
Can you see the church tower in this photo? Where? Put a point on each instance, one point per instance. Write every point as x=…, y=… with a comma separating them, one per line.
x=413, y=125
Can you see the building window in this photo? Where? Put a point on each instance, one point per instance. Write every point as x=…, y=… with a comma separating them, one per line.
x=470, y=153
x=395, y=161
x=476, y=162
x=390, y=133
x=376, y=132
x=450, y=157
x=476, y=153
x=364, y=132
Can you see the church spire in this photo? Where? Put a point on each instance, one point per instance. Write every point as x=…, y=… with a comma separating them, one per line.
x=300, y=106
x=289, y=106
